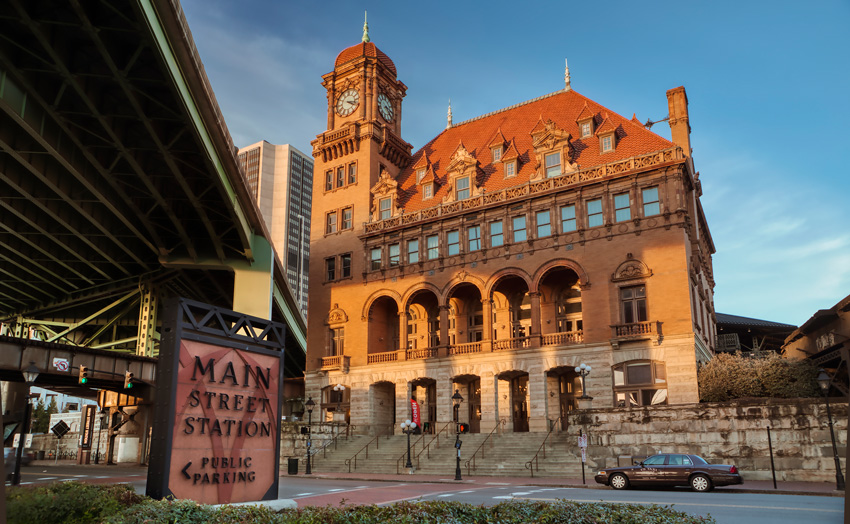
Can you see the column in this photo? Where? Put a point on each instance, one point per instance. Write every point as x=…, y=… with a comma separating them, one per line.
x=445, y=390
x=503, y=397
x=402, y=334
x=535, y=319
x=487, y=336
x=402, y=404
x=444, y=331
x=489, y=402
x=537, y=420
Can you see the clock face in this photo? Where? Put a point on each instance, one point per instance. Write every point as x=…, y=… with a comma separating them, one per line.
x=347, y=102
x=385, y=107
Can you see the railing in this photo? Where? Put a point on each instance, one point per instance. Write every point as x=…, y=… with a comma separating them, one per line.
x=471, y=464
x=512, y=343
x=335, y=362
x=387, y=431
x=377, y=358
x=532, y=187
x=533, y=463
x=465, y=349
x=349, y=429
x=566, y=337
x=415, y=354
x=404, y=455
x=635, y=329
x=425, y=449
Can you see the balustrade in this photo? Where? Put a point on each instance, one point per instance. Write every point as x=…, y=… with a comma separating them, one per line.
x=465, y=349
x=415, y=354
x=388, y=356
x=559, y=339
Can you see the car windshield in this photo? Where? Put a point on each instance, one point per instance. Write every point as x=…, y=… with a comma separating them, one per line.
x=698, y=460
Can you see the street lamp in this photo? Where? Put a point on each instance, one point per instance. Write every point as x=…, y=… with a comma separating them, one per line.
x=583, y=370
x=339, y=388
x=456, y=401
x=310, y=404
x=30, y=374
x=407, y=427
x=823, y=381
x=104, y=418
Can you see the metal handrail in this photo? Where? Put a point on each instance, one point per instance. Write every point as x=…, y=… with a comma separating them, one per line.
x=324, y=449
x=534, y=462
x=388, y=430
x=471, y=460
x=425, y=448
x=403, y=455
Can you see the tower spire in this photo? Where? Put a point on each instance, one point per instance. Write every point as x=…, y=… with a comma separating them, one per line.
x=566, y=75
x=365, y=28
x=449, y=119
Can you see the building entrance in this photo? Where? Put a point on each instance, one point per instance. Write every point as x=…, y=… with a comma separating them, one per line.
x=519, y=400
x=473, y=393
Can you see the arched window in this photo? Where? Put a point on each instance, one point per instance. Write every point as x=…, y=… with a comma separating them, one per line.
x=640, y=383
x=568, y=310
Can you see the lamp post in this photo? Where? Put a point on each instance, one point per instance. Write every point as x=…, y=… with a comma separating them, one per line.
x=583, y=370
x=30, y=374
x=104, y=418
x=339, y=388
x=823, y=381
x=407, y=427
x=310, y=404
x=456, y=401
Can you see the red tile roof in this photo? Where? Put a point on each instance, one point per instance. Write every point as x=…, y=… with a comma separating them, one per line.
x=367, y=49
x=516, y=124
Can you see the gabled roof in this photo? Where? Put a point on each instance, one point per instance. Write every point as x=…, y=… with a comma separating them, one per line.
x=498, y=139
x=516, y=124
x=606, y=126
x=585, y=113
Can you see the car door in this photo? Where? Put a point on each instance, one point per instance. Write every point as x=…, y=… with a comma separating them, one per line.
x=677, y=469
x=650, y=470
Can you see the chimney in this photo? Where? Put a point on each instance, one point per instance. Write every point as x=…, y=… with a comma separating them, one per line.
x=680, y=129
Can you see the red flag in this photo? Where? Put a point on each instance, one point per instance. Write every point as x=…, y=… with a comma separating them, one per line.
x=414, y=406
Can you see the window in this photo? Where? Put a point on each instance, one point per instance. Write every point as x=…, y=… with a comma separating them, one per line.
x=585, y=129
x=497, y=153
x=633, y=300
x=346, y=218
x=453, y=242
x=345, y=265
x=463, y=188
x=420, y=174
x=330, y=269
x=496, y=236
x=518, y=224
x=340, y=176
x=395, y=254
x=640, y=383
x=427, y=191
x=330, y=221
x=329, y=180
x=651, y=205
x=352, y=173
x=375, y=258
x=386, y=208
x=544, y=227
x=568, y=218
x=622, y=212
x=473, y=234
x=412, y=251
x=510, y=169
x=433, y=244
x=594, y=212
x=337, y=342
x=607, y=143
x=553, y=164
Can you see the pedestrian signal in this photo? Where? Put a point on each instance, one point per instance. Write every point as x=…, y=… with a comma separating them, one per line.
x=463, y=427
x=84, y=374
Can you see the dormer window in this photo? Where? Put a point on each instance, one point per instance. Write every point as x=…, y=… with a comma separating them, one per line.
x=586, y=128
x=497, y=153
x=420, y=174
x=386, y=208
x=510, y=169
x=427, y=191
x=606, y=143
x=553, y=164
x=463, y=188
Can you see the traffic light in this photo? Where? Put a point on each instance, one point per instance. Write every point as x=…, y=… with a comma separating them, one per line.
x=84, y=374
x=463, y=427
x=128, y=379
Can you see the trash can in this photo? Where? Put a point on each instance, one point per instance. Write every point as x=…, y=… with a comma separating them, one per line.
x=292, y=466
x=40, y=455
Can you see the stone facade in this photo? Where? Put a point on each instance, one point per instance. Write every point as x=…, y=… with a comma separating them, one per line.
x=726, y=433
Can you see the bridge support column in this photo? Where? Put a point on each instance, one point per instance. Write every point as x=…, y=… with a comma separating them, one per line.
x=147, y=321
x=253, y=283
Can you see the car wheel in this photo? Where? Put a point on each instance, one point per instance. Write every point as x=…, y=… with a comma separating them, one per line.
x=619, y=481
x=700, y=483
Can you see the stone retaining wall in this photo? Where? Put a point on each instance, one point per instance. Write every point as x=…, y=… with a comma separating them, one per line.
x=732, y=432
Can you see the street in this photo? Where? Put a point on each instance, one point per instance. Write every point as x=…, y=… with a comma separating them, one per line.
x=725, y=507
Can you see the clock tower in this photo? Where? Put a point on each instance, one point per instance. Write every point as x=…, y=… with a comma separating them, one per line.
x=357, y=160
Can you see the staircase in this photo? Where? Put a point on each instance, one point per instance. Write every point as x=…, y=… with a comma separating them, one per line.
x=502, y=455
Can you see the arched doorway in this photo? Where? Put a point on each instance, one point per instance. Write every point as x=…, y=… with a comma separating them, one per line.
x=516, y=383
x=424, y=391
x=470, y=387
x=466, y=315
x=336, y=404
x=560, y=306
x=423, y=320
x=382, y=406
x=383, y=325
x=511, y=313
x=565, y=385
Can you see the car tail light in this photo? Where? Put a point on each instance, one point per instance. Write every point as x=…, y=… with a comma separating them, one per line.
x=733, y=469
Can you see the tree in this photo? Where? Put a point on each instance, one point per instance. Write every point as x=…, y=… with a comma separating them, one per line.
x=730, y=376
x=40, y=420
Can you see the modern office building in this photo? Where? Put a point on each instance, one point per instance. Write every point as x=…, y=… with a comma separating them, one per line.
x=507, y=251
x=280, y=177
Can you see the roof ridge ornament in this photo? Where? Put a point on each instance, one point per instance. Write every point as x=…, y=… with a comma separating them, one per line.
x=365, y=29
x=567, y=76
x=449, y=118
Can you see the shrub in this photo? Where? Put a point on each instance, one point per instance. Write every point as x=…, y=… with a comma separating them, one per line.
x=731, y=376
x=68, y=503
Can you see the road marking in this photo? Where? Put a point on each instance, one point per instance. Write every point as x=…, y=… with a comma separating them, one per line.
x=746, y=506
x=518, y=493
x=103, y=477
x=79, y=476
x=46, y=478
x=498, y=484
x=446, y=495
x=468, y=491
x=503, y=497
x=303, y=494
x=336, y=489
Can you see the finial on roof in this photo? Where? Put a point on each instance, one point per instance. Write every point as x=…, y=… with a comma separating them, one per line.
x=449, y=120
x=566, y=75
x=365, y=29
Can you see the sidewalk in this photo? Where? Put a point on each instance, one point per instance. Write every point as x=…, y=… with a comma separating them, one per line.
x=824, y=489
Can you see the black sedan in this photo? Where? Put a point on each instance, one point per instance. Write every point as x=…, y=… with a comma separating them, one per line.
x=671, y=469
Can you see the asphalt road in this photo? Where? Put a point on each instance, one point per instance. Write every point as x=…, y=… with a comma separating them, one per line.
x=726, y=508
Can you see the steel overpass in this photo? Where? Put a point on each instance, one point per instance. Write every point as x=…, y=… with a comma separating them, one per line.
x=119, y=187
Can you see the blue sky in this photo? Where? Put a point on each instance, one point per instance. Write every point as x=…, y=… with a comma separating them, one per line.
x=768, y=91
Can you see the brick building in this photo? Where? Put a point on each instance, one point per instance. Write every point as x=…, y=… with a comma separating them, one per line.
x=509, y=249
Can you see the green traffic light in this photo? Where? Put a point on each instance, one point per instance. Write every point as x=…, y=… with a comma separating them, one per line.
x=129, y=385
x=83, y=380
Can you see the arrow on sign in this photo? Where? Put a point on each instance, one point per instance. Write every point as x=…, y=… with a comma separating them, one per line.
x=183, y=471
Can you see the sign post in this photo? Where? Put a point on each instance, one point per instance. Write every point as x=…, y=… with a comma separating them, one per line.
x=59, y=429
x=582, y=443
x=216, y=435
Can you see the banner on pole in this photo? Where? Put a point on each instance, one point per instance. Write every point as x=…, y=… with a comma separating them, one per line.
x=416, y=417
